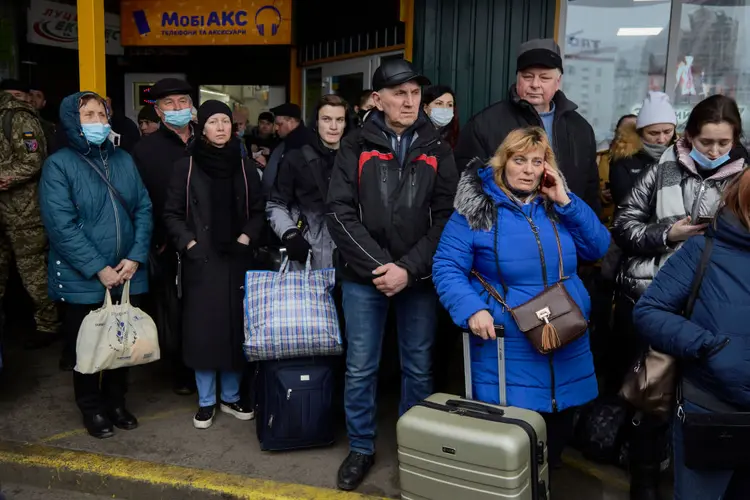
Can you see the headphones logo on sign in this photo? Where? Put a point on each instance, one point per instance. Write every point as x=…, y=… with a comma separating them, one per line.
x=274, y=25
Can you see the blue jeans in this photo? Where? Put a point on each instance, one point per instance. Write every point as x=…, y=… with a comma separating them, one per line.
x=705, y=485
x=365, y=311
x=206, y=382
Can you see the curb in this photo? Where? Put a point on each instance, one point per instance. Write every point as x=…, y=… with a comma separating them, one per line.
x=120, y=477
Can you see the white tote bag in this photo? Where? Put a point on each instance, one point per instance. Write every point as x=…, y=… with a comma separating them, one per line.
x=116, y=336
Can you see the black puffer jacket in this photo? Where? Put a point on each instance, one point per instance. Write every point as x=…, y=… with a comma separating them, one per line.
x=384, y=210
x=574, y=142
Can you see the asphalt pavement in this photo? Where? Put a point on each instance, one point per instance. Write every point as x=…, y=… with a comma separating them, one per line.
x=36, y=402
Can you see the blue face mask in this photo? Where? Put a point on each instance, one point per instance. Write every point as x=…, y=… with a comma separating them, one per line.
x=96, y=133
x=178, y=118
x=441, y=116
x=706, y=163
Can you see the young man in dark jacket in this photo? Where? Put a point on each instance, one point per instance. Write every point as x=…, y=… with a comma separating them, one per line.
x=536, y=99
x=390, y=195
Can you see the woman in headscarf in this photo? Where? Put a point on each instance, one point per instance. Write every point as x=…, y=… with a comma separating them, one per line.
x=214, y=214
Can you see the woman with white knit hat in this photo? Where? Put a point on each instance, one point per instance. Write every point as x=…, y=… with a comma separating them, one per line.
x=636, y=147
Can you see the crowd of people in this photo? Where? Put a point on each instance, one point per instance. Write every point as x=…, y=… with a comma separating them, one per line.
x=418, y=217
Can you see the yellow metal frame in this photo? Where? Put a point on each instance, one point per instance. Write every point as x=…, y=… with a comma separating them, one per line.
x=295, y=79
x=91, y=46
x=407, y=17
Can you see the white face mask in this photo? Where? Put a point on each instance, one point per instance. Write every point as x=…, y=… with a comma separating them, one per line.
x=441, y=116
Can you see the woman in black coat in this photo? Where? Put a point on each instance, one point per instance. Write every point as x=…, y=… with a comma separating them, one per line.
x=214, y=213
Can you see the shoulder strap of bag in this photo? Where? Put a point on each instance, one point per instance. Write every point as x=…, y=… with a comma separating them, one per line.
x=698, y=278
x=8, y=123
x=559, y=249
x=490, y=289
x=311, y=158
x=187, y=189
x=111, y=188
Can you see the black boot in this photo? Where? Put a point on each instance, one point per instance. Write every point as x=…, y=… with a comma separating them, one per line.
x=98, y=426
x=644, y=481
x=353, y=471
x=123, y=419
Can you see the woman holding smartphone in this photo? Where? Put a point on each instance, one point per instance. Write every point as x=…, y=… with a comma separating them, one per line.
x=670, y=202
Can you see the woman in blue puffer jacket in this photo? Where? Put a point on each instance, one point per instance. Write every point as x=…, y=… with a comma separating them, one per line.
x=498, y=209
x=98, y=239
x=713, y=345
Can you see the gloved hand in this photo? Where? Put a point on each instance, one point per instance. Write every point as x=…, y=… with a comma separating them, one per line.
x=296, y=245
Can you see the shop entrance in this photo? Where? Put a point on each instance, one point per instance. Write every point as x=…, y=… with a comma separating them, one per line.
x=347, y=78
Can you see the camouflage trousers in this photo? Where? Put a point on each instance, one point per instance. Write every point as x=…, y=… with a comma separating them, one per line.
x=28, y=246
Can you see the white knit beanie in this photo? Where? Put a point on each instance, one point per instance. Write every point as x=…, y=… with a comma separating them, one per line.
x=656, y=108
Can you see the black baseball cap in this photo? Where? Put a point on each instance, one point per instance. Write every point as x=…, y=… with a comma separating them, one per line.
x=539, y=53
x=394, y=72
x=266, y=116
x=169, y=86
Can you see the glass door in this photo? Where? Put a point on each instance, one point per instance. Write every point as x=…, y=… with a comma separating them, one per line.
x=347, y=78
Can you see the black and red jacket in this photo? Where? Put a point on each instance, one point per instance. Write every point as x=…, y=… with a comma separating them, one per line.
x=383, y=210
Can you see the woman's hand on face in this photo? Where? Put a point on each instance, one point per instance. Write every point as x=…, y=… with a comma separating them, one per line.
x=552, y=186
x=482, y=325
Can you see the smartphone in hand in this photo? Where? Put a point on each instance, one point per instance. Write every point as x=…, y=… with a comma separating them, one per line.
x=548, y=181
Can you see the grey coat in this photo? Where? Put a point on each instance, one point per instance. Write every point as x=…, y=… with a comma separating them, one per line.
x=663, y=194
x=299, y=193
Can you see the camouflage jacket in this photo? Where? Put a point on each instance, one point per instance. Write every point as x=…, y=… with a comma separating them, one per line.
x=21, y=163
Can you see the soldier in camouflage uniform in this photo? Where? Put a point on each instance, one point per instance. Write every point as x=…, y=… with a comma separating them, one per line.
x=22, y=232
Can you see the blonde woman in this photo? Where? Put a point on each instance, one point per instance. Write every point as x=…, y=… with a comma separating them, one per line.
x=503, y=229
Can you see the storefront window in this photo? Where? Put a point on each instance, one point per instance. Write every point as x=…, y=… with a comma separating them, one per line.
x=710, y=55
x=617, y=50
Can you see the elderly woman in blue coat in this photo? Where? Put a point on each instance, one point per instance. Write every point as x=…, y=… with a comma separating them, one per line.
x=503, y=228
x=99, y=239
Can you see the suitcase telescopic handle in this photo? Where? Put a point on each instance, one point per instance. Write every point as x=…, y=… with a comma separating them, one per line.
x=471, y=405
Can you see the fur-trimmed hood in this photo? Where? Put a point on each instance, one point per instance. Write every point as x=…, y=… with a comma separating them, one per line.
x=478, y=196
x=627, y=143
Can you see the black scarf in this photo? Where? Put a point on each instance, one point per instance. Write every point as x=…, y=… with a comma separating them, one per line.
x=221, y=165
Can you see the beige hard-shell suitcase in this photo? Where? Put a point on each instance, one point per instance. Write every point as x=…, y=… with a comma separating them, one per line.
x=451, y=448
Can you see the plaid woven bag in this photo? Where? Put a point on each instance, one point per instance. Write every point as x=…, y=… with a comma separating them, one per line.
x=290, y=314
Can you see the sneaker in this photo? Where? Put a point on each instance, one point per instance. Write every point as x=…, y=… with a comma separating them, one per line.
x=240, y=412
x=204, y=418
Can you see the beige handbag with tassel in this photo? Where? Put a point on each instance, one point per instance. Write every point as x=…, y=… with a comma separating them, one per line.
x=550, y=320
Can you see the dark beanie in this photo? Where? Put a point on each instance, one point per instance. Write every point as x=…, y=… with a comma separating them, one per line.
x=148, y=112
x=13, y=84
x=210, y=108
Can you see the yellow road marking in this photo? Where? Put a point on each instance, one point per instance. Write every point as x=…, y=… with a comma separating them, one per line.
x=163, y=475
x=150, y=418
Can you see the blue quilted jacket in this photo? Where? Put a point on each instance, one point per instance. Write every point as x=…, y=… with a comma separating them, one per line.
x=88, y=228
x=486, y=215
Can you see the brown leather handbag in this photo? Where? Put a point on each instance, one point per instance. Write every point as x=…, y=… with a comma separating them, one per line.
x=650, y=385
x=550, y=320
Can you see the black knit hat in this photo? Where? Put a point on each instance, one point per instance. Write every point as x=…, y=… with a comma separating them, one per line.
x=210, y=108
x=148, y=112
x=288, y=109
x=13, y=84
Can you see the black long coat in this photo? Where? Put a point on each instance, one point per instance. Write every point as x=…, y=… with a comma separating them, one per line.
x=212, y=283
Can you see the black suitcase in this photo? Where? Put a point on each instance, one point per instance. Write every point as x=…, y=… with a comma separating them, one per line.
x=294, y=405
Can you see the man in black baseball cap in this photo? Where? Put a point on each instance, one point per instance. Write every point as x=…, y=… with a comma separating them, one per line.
x=390, y=195
x=290, y=127
x=536, y=100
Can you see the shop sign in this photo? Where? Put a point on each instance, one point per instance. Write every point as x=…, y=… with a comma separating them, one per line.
x=230, y=22
x=56, y=24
